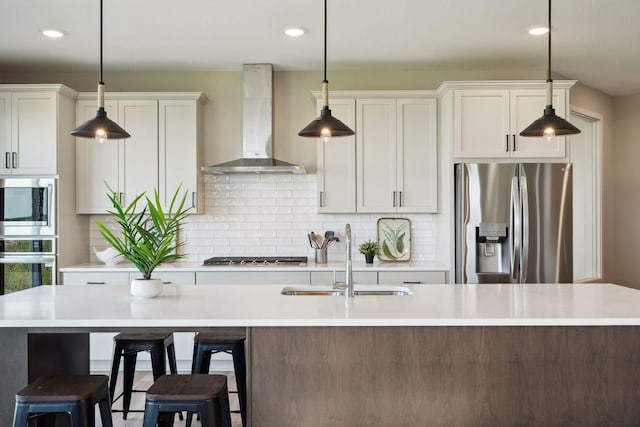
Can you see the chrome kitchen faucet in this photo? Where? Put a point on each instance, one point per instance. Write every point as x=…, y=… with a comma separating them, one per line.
x=348, y=268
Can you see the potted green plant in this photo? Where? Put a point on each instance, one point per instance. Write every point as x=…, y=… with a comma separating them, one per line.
x=369, y=249
x=148, y=237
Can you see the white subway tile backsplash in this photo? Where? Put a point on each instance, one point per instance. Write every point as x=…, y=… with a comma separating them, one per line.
x=268, y=215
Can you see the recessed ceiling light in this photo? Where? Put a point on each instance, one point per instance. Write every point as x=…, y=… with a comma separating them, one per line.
x=538, y=30
x=52, y=33
x=294, y=32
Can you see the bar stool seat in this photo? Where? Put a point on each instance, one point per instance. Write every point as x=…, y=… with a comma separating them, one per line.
x=127, y=345
x=203, y=394
x=231, y=341
x=76, y=395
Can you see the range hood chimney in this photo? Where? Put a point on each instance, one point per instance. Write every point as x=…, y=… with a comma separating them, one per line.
x=257, y=128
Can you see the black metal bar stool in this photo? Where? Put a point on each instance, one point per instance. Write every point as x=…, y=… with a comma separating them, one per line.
x=75, y=395
x=205, y=344
x=205, y=395
x=128, y=345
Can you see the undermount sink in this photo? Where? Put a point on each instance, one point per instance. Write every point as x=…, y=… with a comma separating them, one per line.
x=358, y=290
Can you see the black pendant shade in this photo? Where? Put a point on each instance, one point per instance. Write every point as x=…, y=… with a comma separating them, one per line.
x=100, y=127
x=549, y=125
x=326, y=126
x=548, y=121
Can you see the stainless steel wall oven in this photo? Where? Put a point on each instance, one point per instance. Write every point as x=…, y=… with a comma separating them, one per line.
x=26, y=262
x=28, y=235
x=27, y=206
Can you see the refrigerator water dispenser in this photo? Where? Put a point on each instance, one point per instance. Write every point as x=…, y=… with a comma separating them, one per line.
x=492, y=251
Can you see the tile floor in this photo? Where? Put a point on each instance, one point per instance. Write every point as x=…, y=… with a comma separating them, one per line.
x=143, y=380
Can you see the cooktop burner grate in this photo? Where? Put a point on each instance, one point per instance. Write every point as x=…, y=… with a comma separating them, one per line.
x=257, y=261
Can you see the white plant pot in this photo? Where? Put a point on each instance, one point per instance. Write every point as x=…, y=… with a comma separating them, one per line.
x=146, y=288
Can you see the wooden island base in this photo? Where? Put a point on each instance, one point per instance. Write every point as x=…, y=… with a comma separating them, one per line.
x=445, y=376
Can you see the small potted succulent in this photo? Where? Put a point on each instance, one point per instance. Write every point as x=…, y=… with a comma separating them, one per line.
x=148, y=236
x=369, y=249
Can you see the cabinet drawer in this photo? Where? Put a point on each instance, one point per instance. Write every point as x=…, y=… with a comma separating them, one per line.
x=171, y=277
x=326, y=277
x=96, y=278
x=411, y=277
x=252, y=277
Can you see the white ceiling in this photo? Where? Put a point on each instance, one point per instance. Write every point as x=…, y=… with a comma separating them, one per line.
x=594, y=41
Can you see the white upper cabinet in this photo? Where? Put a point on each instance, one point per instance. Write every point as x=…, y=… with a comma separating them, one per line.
x=417, y=155
x=163, y=152
x=489, y=116
x=376, y=155
x=180, y=151
x=391, y=163
x=397, y=155
x=28, y=127
x=337, y=163
x=137, y=165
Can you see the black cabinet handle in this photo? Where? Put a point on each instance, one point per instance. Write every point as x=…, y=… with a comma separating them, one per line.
x=394, y=199
x=506, y=146
x=14, y=160
x=514, y=142
x=7, y=160
x=96, y=283
x=409, y=282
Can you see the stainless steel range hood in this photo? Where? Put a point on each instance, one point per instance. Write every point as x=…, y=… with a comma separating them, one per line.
x=257, y=128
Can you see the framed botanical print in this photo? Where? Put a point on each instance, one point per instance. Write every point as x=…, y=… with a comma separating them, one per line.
x=394, y=239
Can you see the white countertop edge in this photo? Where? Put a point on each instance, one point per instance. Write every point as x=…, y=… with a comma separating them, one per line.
x=116, y=325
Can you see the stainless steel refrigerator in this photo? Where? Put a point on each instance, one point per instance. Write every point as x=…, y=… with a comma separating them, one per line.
x=513, y=223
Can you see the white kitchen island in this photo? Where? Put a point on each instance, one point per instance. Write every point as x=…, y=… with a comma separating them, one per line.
x=447, y=355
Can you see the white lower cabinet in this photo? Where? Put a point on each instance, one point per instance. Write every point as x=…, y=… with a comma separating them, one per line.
x=95, y=278
x=124, y=278
x=411, y=277
x=359, y=277
x=252, y=277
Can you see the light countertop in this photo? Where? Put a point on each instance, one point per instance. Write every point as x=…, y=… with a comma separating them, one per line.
x=311, y=266
x=102, y=306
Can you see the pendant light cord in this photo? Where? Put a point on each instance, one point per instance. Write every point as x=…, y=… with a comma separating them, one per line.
x=101, y=82
x=325, y=40
x=549, y=47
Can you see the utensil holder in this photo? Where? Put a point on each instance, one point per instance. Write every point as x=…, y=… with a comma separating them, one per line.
x=321, y=255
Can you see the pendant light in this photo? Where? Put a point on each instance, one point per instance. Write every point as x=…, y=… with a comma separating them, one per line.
x=100, y=127
x=549, y=125
x=325, y=126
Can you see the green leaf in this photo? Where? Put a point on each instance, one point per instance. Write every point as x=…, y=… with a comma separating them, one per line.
x=386, y=251
x=400, y=243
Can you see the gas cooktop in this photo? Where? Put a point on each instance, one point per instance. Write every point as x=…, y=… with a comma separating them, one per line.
x=257, y=261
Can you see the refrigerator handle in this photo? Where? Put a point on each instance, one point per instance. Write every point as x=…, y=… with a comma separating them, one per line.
x=514, y=229
x=524, y=194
